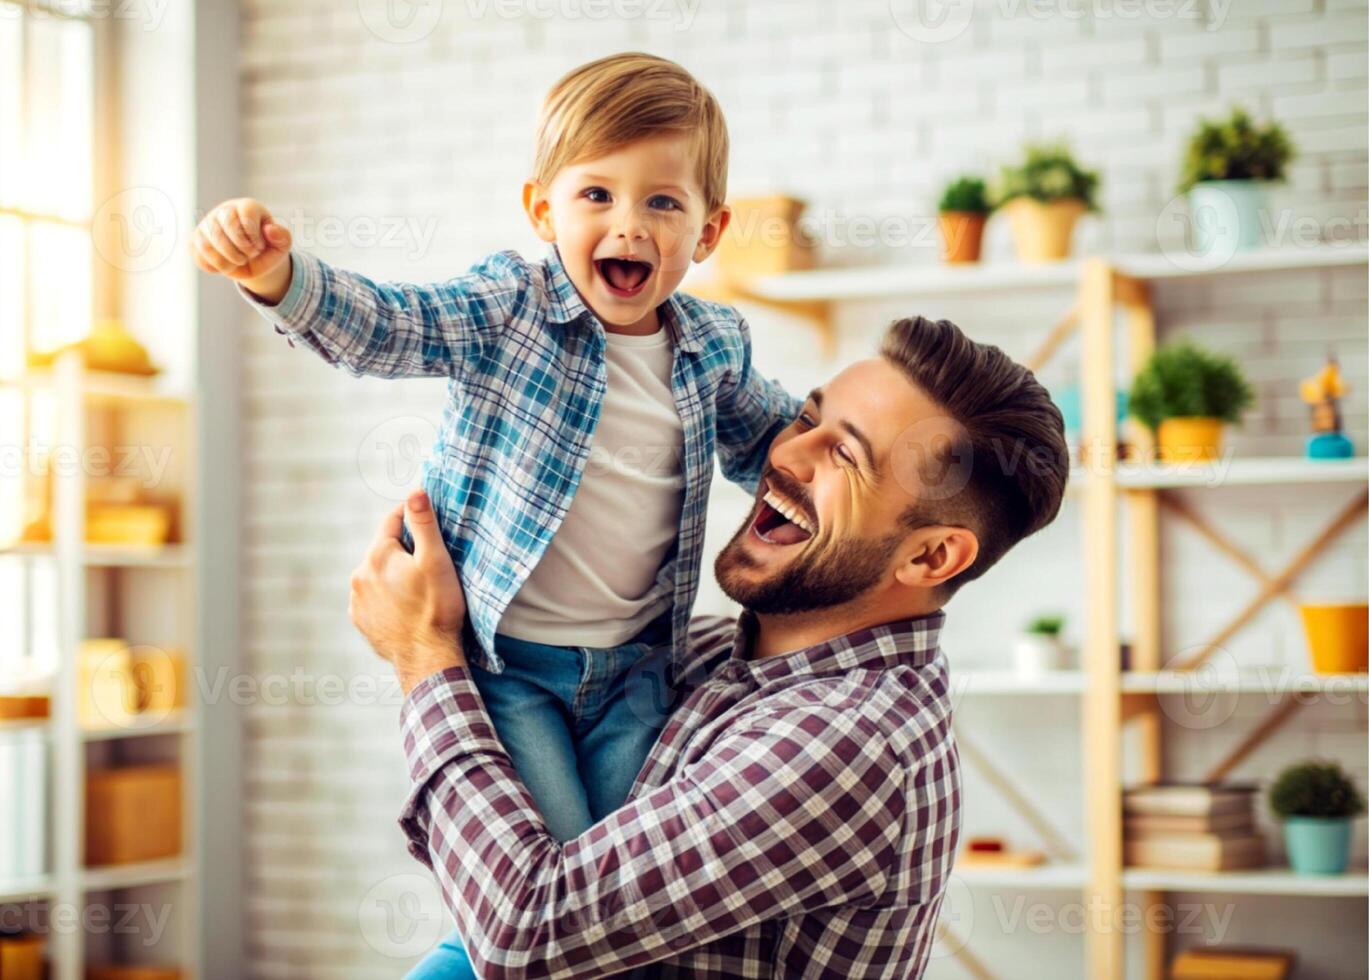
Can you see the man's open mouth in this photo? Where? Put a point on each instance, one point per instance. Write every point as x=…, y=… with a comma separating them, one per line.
x=624, y=277
x=781, y=521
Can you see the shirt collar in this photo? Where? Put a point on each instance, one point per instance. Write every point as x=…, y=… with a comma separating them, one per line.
x=903, y=642
x=566, y=306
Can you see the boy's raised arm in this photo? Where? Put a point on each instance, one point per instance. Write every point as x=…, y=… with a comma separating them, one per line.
x=752, y=409
x=385, y=330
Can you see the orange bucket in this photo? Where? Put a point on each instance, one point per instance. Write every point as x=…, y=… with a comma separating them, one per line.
x=1337, y=636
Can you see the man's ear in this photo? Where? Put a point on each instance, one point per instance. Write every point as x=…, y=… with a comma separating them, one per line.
x=538, y=209
x=712, y=233
x=934, y=555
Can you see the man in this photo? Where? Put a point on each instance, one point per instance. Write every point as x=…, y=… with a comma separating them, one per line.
x=799, y=815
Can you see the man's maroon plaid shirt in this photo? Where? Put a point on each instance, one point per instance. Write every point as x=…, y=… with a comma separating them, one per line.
x=797, y=818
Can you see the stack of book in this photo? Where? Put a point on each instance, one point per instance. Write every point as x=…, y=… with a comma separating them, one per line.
x=1194, y=826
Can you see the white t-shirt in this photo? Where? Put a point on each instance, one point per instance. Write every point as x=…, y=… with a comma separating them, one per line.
x=596, y=584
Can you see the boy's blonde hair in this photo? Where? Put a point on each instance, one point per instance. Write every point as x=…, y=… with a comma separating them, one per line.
x=607, y=104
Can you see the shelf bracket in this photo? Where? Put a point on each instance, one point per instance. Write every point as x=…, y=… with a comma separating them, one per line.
x=1348, y=516
x=1053, y=839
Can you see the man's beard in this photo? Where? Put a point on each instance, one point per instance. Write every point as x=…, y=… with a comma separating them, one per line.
x=814, y=581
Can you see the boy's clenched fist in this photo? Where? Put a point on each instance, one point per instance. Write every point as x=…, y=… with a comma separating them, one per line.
x=240, y=240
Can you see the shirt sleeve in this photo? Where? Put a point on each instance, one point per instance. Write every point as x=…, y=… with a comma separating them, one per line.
x=395, y=330
x=799, y=812
x=752, y=409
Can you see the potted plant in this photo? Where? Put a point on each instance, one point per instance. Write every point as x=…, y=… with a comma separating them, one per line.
x=961, y=215
x=1185, y=393
x=1226, y=167
x=1044, y=196
x=1317, y=804
x=1040, y=648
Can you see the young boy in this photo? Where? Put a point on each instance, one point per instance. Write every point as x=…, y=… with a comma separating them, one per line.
x=586, y=398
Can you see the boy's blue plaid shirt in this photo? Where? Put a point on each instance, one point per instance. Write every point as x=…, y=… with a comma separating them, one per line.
x=525, y=358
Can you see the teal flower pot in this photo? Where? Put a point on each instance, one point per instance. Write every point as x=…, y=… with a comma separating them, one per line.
x=1226, y=216
x=1317, y=845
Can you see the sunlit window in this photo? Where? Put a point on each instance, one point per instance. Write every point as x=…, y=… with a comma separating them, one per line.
x=47, y=92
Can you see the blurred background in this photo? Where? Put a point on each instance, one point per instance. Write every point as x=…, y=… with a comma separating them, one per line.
x=200, y=767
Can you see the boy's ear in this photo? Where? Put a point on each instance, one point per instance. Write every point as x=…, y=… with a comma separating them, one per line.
x=538, y=209
x=712, y=233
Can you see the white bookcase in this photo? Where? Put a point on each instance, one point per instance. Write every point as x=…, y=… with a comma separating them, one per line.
x=146, y=595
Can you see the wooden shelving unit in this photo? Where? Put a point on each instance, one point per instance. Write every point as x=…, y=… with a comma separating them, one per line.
x=146, y=595
x=1113, y=699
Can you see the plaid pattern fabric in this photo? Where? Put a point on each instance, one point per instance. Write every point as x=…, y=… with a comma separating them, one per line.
x=797, y=818
x=525, y=358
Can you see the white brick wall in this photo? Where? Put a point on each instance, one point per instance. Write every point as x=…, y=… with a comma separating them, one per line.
x=835, y=103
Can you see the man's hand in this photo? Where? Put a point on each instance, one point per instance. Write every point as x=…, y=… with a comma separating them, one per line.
x=239, y=239
x=410, y=607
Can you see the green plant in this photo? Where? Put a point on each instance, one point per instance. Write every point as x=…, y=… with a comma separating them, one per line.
x=1314, y=789
x=1048, y=172
x=1183, y=380
x=965, y=193
x=1236, y=149
x=1047, y=625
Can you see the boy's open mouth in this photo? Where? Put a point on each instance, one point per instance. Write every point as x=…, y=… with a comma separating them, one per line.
x=780, y=521
x=624, y=277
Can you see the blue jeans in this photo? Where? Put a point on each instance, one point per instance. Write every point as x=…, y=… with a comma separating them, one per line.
x=577, y=722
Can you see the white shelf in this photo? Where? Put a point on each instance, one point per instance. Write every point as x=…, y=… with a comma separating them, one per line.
x=1157, y=265
x=1250, y=471
x=113, y=555
x=25, y=889
x=1354, y=883
x=993, y=682
x=882, y=282
x=106, y=387
x=1273, y=680
x=133, y=875
x=174, y=723
x=1051, y=876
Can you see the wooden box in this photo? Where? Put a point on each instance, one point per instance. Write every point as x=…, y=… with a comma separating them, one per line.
x=132, y=814
x=132, y=973
x=21, y=957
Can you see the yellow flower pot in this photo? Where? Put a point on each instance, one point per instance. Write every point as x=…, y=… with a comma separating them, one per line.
x=1189, y=440
x=1337, y=636
x=1043, y=231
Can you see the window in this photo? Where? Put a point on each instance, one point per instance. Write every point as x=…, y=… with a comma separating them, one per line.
x=47, y=169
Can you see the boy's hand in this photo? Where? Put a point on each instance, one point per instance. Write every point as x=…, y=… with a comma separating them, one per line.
x=239, y=239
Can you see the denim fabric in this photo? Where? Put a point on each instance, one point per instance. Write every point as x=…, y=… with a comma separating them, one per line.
x=577, y=723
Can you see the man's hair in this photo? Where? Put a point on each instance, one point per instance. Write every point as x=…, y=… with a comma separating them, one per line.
x=1003, y=474
x=606, y=104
